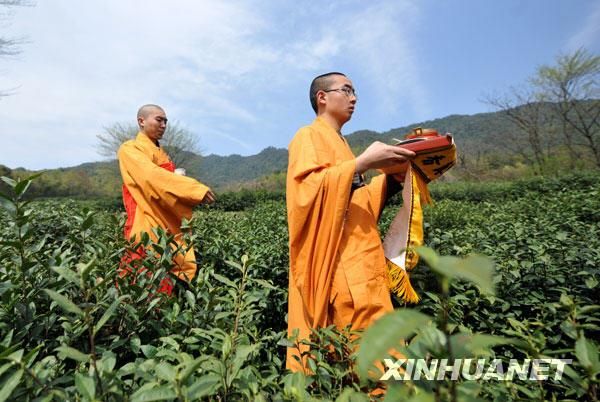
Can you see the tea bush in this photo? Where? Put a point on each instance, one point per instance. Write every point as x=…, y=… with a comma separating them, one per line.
x=72, y=329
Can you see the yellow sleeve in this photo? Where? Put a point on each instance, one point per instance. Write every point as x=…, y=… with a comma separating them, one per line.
x=377, y=190
x=157, y=185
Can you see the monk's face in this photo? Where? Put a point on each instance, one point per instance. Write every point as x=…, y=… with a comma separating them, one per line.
x=340, y=99
x=154, y=124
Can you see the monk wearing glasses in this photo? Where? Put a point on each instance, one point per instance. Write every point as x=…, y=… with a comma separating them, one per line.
x=337, y=265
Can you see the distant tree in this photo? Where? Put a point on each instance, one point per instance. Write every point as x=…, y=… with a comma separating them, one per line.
x=573, y=87
x=180, y=143
x=4, y=170
x=530, y=136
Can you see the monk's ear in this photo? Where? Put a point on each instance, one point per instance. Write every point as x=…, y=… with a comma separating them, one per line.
x=140, y=120
x=321, y=98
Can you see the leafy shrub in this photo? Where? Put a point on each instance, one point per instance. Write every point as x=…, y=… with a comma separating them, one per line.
x=68, y=333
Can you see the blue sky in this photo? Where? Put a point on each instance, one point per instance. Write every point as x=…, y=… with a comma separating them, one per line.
x=236, y=73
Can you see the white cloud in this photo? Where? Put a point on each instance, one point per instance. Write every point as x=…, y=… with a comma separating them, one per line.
x=589, y=33
x=375, y=39
x=215, y=66
x=88, y=66
x=384, y=47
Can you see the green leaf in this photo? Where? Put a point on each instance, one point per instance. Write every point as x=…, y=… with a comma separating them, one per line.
x=399, y=392
x=7, y=339
x=224, y=280
x=22, y=187
x=265, y=284
x=587, y=354
x=135, y=344
x=476, y=269
x=386, y=333
x=7, y=203
x=591, y=282
x=64, y=303
x=7, y=386
x=429, y=255
x=153, y=304
x=108, y=361
x=466, y=345
x=86, y=386
x=32, y=354
x=12, y=183
x=295, y=386
x=149, y=351
x=72, y=353
x=5, y=287
x=190, y=367
x=191, y=299
x=12, y=353
x=351, y=395
x=5, y=367
x=165, y=371
x=160, y=393
x=84, y=269
x=67, y=274
x=203, y=386
x=226, y=346
x=107, y=315
x=241, y=355
x=223, y=314
x=15, y=356
x=566, y=300
x=286, y=342
x=87, y=222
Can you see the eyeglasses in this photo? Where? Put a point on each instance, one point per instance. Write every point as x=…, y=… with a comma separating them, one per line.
x=348, y=91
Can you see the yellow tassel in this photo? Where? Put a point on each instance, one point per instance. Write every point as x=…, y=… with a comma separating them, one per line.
x=423, y=190
x=399, y=283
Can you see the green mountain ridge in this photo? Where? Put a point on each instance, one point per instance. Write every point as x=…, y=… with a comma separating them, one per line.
x=472, y=132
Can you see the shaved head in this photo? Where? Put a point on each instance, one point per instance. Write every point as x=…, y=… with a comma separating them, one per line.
x=152, y=121
x=320, y=83
x=145, y=110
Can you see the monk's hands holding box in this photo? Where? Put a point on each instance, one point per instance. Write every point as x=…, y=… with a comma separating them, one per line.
x=387, y=158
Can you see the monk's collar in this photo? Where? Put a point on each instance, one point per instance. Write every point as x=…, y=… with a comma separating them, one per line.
x=144, y=138
x=319, y=121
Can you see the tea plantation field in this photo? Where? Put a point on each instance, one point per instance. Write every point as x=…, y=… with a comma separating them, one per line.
x=67, y=332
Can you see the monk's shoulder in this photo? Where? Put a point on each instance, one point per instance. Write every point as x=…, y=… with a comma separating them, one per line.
x=127, y=146
x=134, y=146
x=302, y=134
x=306, y=136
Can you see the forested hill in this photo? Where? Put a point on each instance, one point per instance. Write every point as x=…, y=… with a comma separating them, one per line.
x=475, y=131
x=475, y=135
x=223, y=171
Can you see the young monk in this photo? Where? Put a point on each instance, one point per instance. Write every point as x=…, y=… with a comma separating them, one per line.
x=337, y=265
x=154, y=196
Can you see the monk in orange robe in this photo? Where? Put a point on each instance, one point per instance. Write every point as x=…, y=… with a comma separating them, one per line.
x=337, y=265
x=154, y=195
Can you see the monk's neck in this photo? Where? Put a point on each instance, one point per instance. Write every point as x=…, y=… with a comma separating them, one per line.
x=334, y=123
x=155, y=142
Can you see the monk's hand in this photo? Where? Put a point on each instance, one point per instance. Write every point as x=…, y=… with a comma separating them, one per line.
x=209, y=197
x=380, y=156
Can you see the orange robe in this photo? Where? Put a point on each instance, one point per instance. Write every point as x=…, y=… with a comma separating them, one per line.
x=337, y=265
x=158, y=197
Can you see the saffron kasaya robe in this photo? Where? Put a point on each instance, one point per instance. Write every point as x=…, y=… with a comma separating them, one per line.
x=337, y=265
x=154, y=196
